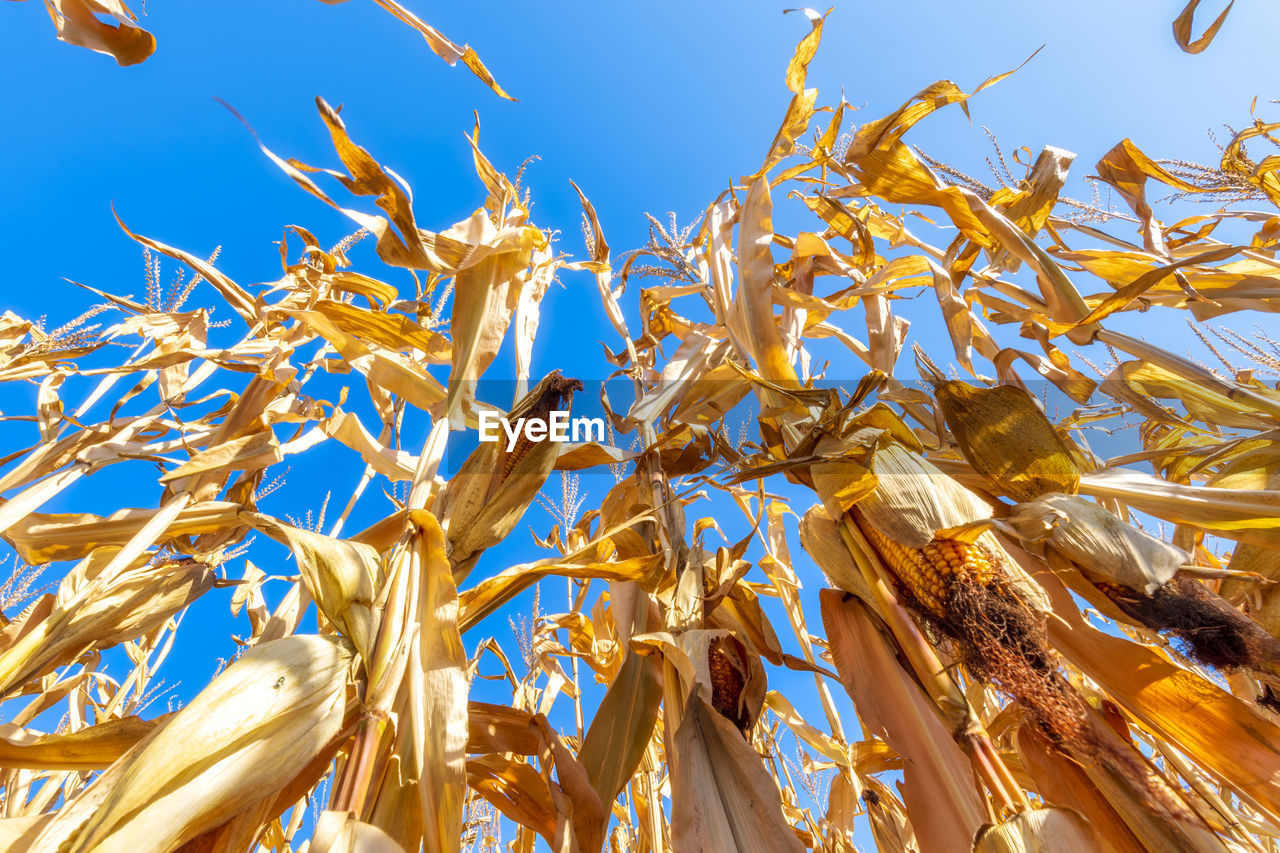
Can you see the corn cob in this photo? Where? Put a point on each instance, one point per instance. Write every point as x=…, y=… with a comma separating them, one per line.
x=556, y=395
x=928, y=572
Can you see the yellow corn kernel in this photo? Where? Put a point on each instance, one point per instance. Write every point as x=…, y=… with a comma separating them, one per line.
x=928, y=572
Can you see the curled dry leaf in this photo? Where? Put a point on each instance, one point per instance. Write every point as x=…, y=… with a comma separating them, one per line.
x=1183, y=23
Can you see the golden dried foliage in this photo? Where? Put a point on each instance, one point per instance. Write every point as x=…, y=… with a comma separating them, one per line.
x=958, y=526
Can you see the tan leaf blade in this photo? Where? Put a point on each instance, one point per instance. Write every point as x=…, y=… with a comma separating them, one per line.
x=1183, y=23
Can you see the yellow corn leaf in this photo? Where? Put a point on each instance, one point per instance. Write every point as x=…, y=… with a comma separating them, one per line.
x=236, y=296
x=440, y=45
x=487, y=596
x=1251, y=516
x=40, y=538
x=622, y=726
x=1123, y=297
x=246, y=453
x=819, y=741
x=97, y=607
x=1209, y=405
x=92, y=748
x=1126, y=168
x=751, y=319
x=499, y=728
x=377, y=291
x=516, y=789
x=800, y=110
x=1242, y=396
x=395, y=465
x=392, y=371
x=1182, y=27
x=340, y=575
x=78, y=23
x=396, y=332
x=885, y=132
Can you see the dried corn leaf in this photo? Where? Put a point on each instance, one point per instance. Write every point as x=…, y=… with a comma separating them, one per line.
x=440, y=45
x=40, y=538
x=92, y=748
x=1251, y=516
x=340, y=575
x=622, y=727
x=1183, y=23
x=96, y=608
x=78, y=23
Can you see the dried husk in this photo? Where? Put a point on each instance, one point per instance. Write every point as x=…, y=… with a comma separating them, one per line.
x=1004, y=434
x=1099, y=541
x=269, y=715
x=1047, y=830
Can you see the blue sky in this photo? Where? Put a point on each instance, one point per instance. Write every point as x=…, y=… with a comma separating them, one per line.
x=648, y=107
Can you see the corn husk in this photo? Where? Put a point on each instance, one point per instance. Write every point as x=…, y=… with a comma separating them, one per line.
x=938, y=782
x=722, y=796
x=268, y=716
x=1049, y=830
x=1004, y=435
x=913, y=500
x=1084, y=532
x=820, y=538
x=491, y=491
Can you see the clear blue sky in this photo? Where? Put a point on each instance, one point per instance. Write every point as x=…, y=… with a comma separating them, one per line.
x=648, y=106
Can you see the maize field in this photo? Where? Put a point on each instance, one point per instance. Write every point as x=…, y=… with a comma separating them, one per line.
x=994, y=634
